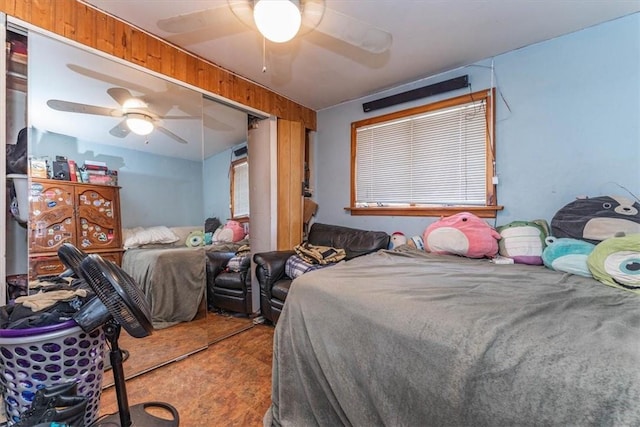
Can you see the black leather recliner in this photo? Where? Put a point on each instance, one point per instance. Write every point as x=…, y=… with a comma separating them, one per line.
x=275, y=284
x=228, y=290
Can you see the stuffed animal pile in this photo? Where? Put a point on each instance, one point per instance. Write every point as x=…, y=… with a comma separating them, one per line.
x=593, y=237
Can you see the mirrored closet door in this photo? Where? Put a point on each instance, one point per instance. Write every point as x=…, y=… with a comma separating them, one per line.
x=82, y=109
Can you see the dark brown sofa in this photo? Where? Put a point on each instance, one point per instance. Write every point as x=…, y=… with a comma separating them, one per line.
x=274, y=283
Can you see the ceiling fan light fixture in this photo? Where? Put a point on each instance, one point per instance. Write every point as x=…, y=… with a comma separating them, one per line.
x=134, y=103
x=139, y=124
x=277, y=20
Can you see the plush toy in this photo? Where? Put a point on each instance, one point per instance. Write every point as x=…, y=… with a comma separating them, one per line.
x=616, y=262
x=208, y=238
x=231, y=232
x=596, y=219
x=397, y=238
x=416, y=243
x=567, y=255
x=462, y=234
x=195, y=238
x=523, y=241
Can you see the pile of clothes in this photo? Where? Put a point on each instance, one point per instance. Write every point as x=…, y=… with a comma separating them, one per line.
x=52, y=300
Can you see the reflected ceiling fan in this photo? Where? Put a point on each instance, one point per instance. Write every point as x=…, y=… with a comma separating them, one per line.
x=281, y=20
x=137, y=116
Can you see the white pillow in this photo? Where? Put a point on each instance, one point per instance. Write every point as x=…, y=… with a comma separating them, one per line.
x=151, y=235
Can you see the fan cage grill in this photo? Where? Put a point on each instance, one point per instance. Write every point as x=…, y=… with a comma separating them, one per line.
x=71, y=257
x=119, y=293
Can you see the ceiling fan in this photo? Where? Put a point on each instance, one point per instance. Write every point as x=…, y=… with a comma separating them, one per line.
x=137, y=117
x=281, y=20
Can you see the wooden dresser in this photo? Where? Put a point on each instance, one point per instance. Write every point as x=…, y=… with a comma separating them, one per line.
x=85, y=215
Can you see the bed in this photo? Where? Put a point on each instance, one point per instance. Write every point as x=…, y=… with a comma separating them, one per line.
x=172, y=276
x=408, y=338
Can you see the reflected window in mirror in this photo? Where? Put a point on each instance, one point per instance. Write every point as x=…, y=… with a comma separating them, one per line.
x=240, y=189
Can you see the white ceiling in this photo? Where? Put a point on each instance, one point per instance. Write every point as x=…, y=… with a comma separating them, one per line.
x=429, y=37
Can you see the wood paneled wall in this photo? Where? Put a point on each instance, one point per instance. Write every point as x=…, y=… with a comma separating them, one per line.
x=91, y=27
x=291, y=139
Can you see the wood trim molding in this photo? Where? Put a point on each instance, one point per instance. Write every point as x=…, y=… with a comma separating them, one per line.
x=481, y=211
x=91, y=27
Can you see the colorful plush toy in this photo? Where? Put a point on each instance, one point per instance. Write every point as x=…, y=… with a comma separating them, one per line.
x=616, y=262
x=523, y=241
x=462, y=234
x=567, y=255
x=397, y=238
x=231, y=232
x=195, y=238
x=416, y=242
x=596, y=219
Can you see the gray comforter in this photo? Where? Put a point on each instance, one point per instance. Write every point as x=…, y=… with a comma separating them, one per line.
x=413, y=339
x=172, y=279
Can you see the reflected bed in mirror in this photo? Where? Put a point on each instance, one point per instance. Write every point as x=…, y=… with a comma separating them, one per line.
x=176, y=176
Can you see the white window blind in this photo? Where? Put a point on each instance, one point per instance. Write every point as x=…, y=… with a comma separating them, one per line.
x=435, y=158
x=240, y=190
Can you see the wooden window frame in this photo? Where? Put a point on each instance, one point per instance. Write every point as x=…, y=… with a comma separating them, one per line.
x=234, y=164
x=489, y=210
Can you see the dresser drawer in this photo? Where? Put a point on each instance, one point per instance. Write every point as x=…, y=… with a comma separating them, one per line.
x=52, y=266
x=45, y=266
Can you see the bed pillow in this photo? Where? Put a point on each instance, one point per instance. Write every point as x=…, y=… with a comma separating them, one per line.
x=616, y=262
x=567, y=255
x=152, y=235
x=462, y=234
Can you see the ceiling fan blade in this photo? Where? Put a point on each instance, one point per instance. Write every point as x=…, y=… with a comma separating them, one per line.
x=120, y=94
x=194, y=21
x=110, y=79
x=214, y=124
x=354, y=32
x=120, y=130
x=74, y=107
x=170, y=134
x=312, y=13
x=243, y=10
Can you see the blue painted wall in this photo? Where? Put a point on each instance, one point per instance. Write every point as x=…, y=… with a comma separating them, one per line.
x=217, y=179
x=156, y=190
x=567, y=124
x=216, y=176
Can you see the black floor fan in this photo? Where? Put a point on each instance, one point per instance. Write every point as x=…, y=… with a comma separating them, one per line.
x=71, y=257
x=123, y=305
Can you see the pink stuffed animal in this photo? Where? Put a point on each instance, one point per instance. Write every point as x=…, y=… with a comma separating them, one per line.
x=462, y=234
x=231, y=232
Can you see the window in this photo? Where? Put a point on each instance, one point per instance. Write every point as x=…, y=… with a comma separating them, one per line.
x=240, y=189
x=432, y=160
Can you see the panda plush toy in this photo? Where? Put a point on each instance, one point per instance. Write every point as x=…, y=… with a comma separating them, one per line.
x=596, y=219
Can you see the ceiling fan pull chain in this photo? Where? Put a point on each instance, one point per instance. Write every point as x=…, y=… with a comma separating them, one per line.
x=264, y=54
